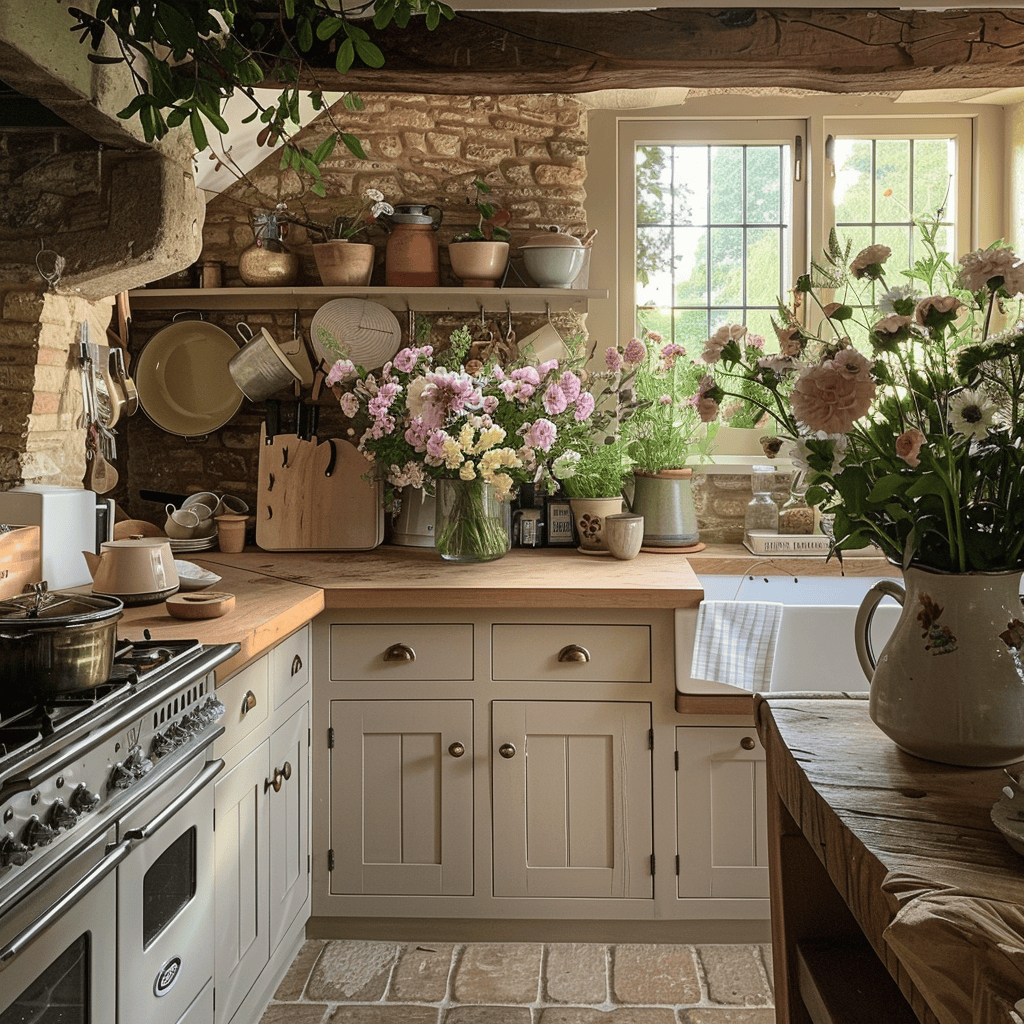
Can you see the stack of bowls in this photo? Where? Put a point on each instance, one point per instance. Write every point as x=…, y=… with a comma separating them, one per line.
x=553, y=259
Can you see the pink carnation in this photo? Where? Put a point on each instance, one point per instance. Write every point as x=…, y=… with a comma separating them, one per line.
x=555, y=400
x=570, y=385
x=342, y=370
x=542, y=434
x=908, y=446
x=830, y=397
x=406, y=360
x=490, y=404
x=584, y=406
x=547, y=366
x=708, y=410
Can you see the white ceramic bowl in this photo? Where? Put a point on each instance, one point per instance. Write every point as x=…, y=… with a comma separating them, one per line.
x=553, y=266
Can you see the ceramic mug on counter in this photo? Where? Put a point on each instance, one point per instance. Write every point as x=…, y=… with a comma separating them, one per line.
x=181, y=523
x=624, y=534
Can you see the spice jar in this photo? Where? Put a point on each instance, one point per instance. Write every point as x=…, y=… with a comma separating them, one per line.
x=762, y=513
x=796, y=516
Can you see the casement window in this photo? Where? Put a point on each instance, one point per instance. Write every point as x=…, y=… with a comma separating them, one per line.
x=727, y=214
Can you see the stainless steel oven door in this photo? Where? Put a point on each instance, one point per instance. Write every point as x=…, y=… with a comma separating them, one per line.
x=58, y=944
x=165, y=898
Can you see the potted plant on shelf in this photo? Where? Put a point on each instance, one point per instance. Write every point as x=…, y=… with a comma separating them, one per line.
x=593, y=482
x=479, y=256
x=342, y=261
x=658, y=395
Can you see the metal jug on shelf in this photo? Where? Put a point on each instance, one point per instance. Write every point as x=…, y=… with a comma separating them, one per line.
x=410, y=260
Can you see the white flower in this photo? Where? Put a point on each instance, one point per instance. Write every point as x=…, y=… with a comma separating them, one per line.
x=414, y=396
x=565, y=465
x=971, y=413
x=900, y=294
x=979, y=267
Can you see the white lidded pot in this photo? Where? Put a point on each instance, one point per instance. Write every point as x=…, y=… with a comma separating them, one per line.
x=553, y=259
x=136, y=570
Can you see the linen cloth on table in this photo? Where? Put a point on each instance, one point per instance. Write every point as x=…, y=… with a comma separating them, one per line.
x=734, y=643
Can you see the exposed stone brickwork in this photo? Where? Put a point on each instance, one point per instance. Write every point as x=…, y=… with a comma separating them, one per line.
x=720, y=501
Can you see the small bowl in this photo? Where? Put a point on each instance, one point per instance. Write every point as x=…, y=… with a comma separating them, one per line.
x=553, y=266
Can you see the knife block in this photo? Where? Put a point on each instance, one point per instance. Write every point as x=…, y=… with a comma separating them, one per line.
x=312, y=497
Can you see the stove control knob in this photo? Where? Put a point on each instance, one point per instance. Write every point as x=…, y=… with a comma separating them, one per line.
x=13, y=853
x=62, y=816
x=137, y=763
x=192, y=723
x=162, y=745
x=82, y=800
x=214, y=708
x=121, y=777
x=177, y=735
x=37, y=833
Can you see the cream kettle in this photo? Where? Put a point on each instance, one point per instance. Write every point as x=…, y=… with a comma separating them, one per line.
x=137, y=570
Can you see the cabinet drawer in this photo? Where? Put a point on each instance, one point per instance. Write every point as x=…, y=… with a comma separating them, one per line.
x=425, y=650
x=569, y=652
x=289, y=665
x=245, y=695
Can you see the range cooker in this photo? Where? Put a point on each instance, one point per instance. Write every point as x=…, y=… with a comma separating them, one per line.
x=106, y=843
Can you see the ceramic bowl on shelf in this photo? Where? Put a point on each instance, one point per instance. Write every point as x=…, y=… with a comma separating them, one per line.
x=553, y=266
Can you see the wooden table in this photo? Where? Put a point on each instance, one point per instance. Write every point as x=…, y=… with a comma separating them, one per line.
x=872, y=849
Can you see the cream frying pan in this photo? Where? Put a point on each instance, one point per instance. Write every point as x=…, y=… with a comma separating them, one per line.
x=183, y=380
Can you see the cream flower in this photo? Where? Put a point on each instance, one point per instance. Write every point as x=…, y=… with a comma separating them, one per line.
x=971, y=413
x=979, y=268
x=725, y=334
x=936, y=310
x=831, y=398
x=868, y=262
x=467, y=471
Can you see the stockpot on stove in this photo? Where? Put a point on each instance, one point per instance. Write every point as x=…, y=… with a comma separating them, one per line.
x=55, y=642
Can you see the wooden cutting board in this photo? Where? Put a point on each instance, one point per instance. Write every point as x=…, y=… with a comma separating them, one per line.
x=302, y=508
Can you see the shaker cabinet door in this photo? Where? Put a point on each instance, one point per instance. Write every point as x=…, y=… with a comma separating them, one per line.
x=572, y=799
x=402, y=797
x=721, y=813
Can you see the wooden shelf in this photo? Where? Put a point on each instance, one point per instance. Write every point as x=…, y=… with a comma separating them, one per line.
x=400, y=300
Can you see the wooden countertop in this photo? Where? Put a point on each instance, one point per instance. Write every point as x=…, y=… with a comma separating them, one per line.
x=911, y=849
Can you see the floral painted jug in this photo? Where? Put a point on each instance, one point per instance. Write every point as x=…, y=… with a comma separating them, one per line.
x=949, y=684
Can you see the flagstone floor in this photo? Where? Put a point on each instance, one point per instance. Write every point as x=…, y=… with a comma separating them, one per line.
x=364, y=982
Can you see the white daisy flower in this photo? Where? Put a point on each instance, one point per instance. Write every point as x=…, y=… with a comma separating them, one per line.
x=971, y=413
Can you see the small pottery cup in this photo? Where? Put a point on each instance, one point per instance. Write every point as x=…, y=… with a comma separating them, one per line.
x=624, y=534
x=231, y=532
x=181, y=523
x=230, y=504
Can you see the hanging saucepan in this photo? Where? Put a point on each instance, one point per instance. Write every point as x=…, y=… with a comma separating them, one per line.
x=183, y=380
x=55, y=642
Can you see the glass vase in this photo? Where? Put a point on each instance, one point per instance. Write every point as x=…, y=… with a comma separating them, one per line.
x=469, y=524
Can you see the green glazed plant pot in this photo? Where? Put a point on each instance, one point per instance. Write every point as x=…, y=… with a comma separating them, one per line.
x=665, y=500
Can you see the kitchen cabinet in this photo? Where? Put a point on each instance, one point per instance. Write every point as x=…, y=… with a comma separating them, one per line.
x=721, y=812
x=572, y=798
x=402, y=797
x=262, y=826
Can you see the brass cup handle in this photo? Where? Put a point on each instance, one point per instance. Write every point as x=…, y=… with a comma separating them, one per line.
x=574, y=653
x=507, y=750
x=400, y=652
x=457, y=749
x=248, y=702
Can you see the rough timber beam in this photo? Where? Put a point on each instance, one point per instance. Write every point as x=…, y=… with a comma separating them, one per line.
x=834, y=50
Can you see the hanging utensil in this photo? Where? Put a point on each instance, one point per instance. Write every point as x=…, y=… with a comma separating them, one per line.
x=295, y=350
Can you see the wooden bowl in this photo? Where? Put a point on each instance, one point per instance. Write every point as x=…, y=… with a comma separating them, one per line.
x=205, y=604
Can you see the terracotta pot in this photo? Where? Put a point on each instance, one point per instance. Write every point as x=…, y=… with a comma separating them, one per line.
x=344, y=264
x=479, y=264
x=949, y=683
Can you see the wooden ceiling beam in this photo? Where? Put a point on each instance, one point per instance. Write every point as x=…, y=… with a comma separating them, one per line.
x=837, y=51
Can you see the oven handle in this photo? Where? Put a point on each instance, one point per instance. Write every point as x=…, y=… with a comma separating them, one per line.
x=210, y=772
x=77, y=892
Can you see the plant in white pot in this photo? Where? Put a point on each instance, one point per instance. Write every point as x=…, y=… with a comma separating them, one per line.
x=593, y=483
x=479, y=256
x=341, y=260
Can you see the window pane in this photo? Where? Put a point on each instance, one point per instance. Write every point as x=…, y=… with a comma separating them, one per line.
x=764, y=185
x=854, y=171
x=726, y=192
x=764, y=266
x=727, y=264
x=892, y=176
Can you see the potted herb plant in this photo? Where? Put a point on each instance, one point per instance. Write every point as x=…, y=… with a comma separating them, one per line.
x=479, y=256
x=593, y=482
x=341, y=260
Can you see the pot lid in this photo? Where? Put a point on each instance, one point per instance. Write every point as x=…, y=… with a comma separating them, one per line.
x=57, y=608
x=415, y=213
x=135, y=542
x=552, y=239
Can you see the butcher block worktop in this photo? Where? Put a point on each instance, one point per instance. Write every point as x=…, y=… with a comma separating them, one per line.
x=277, y=592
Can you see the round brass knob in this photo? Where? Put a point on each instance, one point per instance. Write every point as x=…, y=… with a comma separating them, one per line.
x=747, y=743
x=573, y=652
x=399, y=652
x=286, y=770
x=507, y=750
x=456, y=749
x=275, y=783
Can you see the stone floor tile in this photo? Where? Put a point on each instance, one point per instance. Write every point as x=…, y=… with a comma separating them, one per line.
x=384, y=1013
x=766, y=957
x=297, y=975
x=487, y=1015
x=576, y=972
x=665, y=975
x=352, y=972
x=498, y=972
x=620, y=1015
x=735, y=975
x=727, y=1015
x=421, y=975
x=294, y=1013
